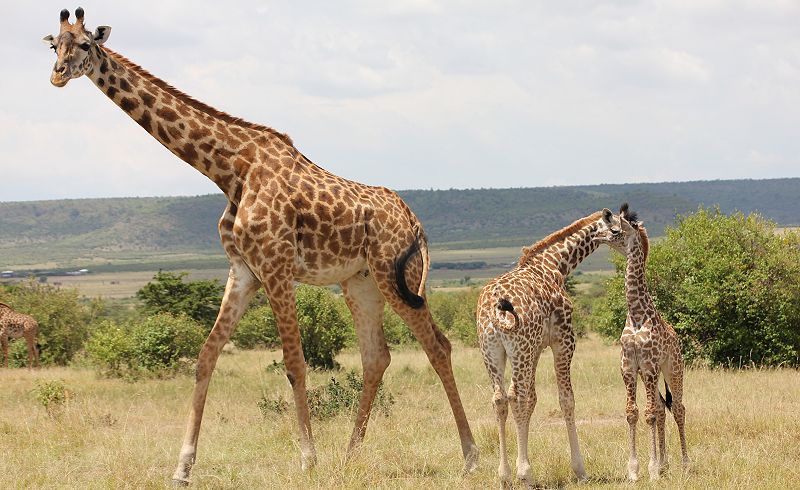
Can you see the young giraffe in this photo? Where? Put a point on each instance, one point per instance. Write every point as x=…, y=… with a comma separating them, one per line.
x=521, y=313
x=650, y=347
x=286, y=220
x=15, y=325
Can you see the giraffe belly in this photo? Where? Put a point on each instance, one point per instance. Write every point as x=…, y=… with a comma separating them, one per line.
x=327, y=274
x=14, y=331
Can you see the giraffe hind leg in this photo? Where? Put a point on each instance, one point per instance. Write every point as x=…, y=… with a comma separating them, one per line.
x=366, y=305
x=435, y=344
x=494, y=357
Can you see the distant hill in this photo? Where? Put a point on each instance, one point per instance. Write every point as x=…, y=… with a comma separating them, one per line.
x=71, y=231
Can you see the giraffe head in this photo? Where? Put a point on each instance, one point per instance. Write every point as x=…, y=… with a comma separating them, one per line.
x=622, y=237
x=73, y=46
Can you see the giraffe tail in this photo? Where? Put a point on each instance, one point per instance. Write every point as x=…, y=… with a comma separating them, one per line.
x=414, y=300
x=426, y=260
x=504, y=306
x=667, y=398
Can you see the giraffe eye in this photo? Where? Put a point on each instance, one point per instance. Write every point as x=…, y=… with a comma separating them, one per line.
x=53, y=47
x=84, y=46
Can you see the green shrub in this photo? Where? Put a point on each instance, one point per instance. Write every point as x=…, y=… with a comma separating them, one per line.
x=168, y=292
x=110, y=348
x=395, y=329
x=52, y=395
x=454, y=313
x=324, y=329
x=257, y=328
x=729, y=284
x=162, y=341
x=332, y=399
x=62, y=316
x=157, y=346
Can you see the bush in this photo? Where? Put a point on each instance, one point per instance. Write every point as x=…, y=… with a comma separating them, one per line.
x=257, y=328
x=62, y=316
x=395, y=329
x=332, y=399
x=162, y=341
x=169, y=293
x=160, y=345
x=729, y=284
x=52, y=395
x=324, y=326
x=324, y=320
x=454, y=313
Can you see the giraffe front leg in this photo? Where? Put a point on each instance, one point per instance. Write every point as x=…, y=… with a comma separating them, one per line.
x=280, y=292
x=629, y=370
x=240, y=288
x=650, y=380
x=366, y=305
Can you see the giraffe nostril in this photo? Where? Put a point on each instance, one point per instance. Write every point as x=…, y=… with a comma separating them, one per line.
x=61, y=69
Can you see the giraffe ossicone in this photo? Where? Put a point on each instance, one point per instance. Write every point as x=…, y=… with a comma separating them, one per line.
x=524, y=311
x=650, y=348
x=286, y=220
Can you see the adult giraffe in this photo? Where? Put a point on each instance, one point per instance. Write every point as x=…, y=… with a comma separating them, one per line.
x=286, y=220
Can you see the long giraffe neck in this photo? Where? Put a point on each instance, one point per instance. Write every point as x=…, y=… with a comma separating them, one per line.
x=571, y=251
x=566, y=248
x=636, y=291
x=221, y=147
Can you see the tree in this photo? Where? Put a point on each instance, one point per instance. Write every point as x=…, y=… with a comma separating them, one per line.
x=168, y=292
x=729, y=284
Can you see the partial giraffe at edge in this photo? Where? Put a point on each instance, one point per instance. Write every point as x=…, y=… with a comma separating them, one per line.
x=14, y=325
x=524, y=311
x=650, y=348
x=286, y=220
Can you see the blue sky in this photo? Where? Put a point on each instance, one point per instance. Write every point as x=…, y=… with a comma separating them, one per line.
x=422, y=94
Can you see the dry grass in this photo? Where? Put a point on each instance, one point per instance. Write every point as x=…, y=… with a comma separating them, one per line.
x=743, y=429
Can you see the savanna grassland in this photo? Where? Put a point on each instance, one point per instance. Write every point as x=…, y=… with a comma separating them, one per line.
x=743, y=429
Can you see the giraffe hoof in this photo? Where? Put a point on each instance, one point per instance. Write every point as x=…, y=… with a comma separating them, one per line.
x=180, y=482
x=307, y=463
x=471, y=460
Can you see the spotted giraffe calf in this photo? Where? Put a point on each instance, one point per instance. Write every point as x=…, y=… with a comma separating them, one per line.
x=15, y=325
x=650, y=347
x=521, y=313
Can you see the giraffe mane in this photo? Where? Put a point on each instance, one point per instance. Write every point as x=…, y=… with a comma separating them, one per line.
x=555, y=237
x=645, y=240
x=191, y=101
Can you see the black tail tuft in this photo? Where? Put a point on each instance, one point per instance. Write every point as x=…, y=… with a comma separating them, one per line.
x=412, y=299
x=668, y=400
x=505, y=305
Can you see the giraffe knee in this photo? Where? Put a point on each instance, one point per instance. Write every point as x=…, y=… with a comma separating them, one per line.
x=295, y=372
x=650, y=416
x=443, y=341
x=500, y=402
x=632, y=414
x=377, y=363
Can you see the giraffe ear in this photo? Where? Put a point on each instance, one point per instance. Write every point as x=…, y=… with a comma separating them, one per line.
x=101, y=34
x=49, y=39
x=607, y=215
